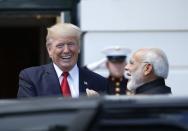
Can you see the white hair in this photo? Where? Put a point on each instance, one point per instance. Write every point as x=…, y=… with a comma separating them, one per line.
x=61, y=30
x=159, y=61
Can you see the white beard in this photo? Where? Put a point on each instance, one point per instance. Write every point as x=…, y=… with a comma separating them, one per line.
x=133, y=84
x=135, y=80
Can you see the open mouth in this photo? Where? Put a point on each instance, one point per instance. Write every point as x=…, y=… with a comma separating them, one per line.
x=66, y=58
x=128, y=75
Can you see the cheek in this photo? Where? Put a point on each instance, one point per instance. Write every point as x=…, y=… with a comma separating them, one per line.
x=111, y=66
x=139, y=71
x=76, y=51
x=133, y=69
x=54, y=53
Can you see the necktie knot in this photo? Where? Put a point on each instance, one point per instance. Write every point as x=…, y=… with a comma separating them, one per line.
x=65, y=74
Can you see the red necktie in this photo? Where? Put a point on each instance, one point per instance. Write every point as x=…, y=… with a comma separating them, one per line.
x=65, y=85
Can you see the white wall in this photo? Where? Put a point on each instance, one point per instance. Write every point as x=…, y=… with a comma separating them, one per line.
x=121, y=15
x=136, y=24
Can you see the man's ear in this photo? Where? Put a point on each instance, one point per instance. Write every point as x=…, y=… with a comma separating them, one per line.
x=148, y=69
x=79, y=48
x=49, y=50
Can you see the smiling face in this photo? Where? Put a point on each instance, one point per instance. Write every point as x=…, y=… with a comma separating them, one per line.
x=64, y=52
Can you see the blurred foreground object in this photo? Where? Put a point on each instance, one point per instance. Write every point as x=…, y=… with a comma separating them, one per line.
x=109, y=113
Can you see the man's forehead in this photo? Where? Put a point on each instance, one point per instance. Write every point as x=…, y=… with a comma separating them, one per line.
x=139, y=53
x=64, y=37
x=136, y=57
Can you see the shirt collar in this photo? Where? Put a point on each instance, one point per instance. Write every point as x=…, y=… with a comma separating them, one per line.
x=72, y=72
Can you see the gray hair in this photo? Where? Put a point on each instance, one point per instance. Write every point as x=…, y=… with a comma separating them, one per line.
x=61, y=30
x=159, y=61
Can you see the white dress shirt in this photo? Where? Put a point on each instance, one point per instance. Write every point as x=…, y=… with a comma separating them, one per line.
x=73, y=79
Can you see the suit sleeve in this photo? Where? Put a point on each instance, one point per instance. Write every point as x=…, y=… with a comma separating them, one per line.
x=105, y=86
x=26, y=88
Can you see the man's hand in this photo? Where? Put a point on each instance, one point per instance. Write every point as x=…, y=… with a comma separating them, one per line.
x=91, y=92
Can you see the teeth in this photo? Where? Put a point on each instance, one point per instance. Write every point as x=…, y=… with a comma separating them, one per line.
x=66, y=57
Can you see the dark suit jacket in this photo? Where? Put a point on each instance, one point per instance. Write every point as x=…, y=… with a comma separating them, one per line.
x=154, y=87
x=43, y=81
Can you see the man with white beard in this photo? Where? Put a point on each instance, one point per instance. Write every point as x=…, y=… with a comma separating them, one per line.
x=146, y=72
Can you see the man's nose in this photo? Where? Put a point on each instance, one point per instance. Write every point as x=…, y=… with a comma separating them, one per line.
x=127, y=67
x=66, y=48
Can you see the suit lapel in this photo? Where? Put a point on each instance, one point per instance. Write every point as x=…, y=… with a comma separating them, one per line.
x=52, y=80
x=83, y=82
x=53, y=85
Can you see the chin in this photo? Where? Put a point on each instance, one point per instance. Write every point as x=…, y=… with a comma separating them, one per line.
x=65, y=66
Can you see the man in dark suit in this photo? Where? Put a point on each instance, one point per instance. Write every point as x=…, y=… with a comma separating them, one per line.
x=147, y=70
x=62, y=76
